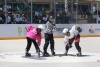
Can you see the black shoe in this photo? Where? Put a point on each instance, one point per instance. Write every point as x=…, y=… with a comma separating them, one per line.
x=66, y=52
x=46, y=54
x=27, y=54
x=79, y=54
x=53, y=53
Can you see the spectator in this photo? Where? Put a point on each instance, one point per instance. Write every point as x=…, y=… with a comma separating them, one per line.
x=12, y=18
x=40, y=13
x=94, y=9
x=52, y=13
x=23, y=18
x=80, y=10
x=17, y=8
x=0, y=20
x=70, y=14
x=84, y=12
x=2, y=17
x=63, y=16
x=36, y=13
x=20, y=19
x=89, y=15
x=98, y=19
x=26, y=22
x=57, y=15
x=9, y=7
x=25, y=2
x=44, y=19
x=17, y=20
x=0, y=8
x=9, y=19
x=43, y=8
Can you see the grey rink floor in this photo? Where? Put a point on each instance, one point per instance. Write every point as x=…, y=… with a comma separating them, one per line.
x=88, y=45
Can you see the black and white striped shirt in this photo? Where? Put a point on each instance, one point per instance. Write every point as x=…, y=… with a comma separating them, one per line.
x=49, y=27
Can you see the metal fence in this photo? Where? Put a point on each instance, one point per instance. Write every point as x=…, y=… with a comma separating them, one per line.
x=63, y=11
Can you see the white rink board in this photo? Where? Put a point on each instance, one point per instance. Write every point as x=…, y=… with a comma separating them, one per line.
x=11, y=30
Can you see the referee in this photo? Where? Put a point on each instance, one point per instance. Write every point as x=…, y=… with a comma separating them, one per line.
x=49, y=29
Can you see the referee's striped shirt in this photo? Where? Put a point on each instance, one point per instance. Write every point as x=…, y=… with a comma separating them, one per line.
x=49, y=27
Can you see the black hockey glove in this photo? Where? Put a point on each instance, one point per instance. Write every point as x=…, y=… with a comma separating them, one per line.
x=79, y=29
x=70, y=46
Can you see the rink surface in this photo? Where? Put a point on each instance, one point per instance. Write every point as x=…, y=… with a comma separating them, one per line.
x=90, y=48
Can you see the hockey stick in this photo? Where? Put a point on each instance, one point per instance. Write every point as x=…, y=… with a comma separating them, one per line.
x=39, y=49
x=26, y=29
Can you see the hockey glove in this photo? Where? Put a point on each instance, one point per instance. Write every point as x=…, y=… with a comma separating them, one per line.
x=79, y=29
x=70, y=46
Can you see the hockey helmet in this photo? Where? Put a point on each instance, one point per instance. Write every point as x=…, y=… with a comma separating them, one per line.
x=65, y=30
x=40, y=27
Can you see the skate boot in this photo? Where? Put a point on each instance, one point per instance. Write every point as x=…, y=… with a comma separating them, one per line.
x=79, y=54
x=53, y=53
x=66, y=52
x=38, y=53
x=27, y=54
x=45, y=54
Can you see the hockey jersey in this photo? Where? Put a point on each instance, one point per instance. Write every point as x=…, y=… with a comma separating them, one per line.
x=32, y=33
x=66, y=38
x=74, y=30
x=73, y=33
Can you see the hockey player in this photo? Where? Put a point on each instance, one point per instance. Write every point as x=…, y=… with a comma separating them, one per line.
x=70, y=36
x=33, y=34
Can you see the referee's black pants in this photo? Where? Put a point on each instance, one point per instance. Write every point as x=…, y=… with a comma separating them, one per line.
x=48, y=39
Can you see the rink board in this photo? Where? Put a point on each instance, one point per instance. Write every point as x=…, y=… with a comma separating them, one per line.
x=18, y=31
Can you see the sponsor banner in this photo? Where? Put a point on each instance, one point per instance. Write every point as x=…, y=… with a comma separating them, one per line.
x=19, y=30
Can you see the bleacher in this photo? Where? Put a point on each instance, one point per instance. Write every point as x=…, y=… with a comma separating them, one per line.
x=23, y=8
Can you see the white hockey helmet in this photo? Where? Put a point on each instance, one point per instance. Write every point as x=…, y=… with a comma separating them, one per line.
x=40, y=27
x=65, y=30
